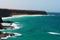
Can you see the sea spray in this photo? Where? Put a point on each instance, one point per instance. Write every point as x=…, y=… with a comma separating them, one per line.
x=15, y=35
x=15, y=27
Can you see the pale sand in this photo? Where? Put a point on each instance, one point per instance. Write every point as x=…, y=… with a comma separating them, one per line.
x=16, y=16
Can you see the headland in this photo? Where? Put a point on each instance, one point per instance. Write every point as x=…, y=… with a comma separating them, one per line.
x=10, y=12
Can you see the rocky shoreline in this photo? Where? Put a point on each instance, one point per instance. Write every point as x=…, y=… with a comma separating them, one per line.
x=5, y=35
x=14, y=13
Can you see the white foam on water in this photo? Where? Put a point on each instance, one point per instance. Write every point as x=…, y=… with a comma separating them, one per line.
x=15, y=26
x=54, y=33
x=6, y=24
x=16, y=34
x=5, y=37
x=2, y=29
x=16, y=16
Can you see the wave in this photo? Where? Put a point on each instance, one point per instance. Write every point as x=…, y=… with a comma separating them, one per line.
x=16, y=34
x=14, y=26
x=54, y=33
x=16, y=16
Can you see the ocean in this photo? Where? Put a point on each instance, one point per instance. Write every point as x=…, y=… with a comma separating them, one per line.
x=36, y=27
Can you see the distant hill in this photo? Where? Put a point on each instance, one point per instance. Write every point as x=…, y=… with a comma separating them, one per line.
x=9, y=12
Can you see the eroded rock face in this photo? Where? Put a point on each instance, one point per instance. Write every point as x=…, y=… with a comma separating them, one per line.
x=2, y=24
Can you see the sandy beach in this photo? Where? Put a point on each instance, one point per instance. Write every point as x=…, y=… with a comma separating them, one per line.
x=16, y=16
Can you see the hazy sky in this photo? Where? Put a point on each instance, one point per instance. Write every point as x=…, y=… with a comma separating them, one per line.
x=48, y=5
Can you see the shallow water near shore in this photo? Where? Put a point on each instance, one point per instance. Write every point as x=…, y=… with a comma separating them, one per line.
x=36, y=27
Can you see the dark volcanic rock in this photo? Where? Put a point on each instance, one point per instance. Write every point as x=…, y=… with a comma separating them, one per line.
x=9, y=12
x=12, y=34
x=4, y=12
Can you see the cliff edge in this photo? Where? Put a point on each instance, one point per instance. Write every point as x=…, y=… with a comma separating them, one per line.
x=9, y=12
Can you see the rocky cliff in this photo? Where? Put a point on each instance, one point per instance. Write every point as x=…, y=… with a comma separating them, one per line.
x=9, y=12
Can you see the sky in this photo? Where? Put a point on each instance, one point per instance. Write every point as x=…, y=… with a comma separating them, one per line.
x=46, y=5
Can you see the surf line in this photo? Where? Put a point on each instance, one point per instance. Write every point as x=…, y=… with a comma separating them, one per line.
x=11, y=25
x=16, y=16
x=6, y=35
x=54, y=33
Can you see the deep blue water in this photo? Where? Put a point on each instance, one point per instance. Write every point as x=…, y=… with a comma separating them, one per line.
x=37, y=27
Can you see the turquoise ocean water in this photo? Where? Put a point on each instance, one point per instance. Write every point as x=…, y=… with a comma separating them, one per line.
x=37, y=27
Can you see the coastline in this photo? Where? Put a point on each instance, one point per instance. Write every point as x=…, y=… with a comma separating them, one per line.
x=16, y=16
x=10, y=12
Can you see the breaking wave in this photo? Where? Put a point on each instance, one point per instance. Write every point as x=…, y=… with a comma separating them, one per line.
x=54, y=33
x=14, y=25
x=16, y=16
x=16, y=34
